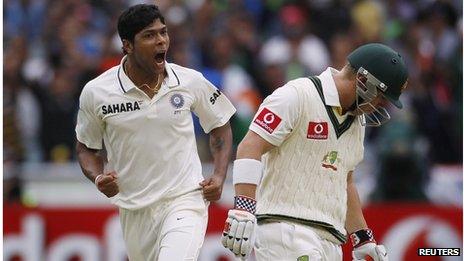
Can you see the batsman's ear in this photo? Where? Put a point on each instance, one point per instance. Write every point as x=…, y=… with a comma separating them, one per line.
x=127, y=46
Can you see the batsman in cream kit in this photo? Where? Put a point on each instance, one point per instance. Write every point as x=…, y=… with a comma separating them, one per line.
x=293, y=176
x=140, y=113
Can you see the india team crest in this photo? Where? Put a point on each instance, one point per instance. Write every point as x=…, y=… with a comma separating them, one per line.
x=177, y=100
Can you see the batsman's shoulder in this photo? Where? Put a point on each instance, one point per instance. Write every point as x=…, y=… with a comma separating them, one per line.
x=299, y=83
x=288, y=92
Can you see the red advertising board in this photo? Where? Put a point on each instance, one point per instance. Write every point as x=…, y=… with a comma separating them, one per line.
x=405, y=227
x=94, y=233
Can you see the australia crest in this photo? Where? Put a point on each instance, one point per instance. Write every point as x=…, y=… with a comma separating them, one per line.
x=330, y=160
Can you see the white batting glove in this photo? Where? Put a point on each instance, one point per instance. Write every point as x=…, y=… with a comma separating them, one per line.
x=365, y=248
x=370, y=251
x=240, y=228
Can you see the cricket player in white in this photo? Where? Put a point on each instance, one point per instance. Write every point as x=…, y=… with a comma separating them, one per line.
x=300, y=153
x=140, y=112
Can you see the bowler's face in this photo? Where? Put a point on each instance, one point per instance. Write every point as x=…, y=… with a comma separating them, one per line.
x=150, y=47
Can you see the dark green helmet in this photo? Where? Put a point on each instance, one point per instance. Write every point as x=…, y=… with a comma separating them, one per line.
x=386, y=65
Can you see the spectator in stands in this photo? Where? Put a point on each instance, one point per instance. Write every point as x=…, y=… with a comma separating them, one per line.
x=263, y=42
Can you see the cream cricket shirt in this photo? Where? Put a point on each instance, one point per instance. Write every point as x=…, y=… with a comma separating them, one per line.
x=150, y=142
x=305, y=176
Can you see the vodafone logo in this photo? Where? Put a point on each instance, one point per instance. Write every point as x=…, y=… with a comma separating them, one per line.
x=267, y=120
x=407, y=235
x=318, y=130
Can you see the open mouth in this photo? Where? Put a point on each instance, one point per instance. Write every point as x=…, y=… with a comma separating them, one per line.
x=159, y=58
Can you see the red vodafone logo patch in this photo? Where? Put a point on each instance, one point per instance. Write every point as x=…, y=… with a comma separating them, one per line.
x=318, y=130
x=268, y=120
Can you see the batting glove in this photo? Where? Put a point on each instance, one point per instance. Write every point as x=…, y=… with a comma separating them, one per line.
x=240, y=227
x=365, y=248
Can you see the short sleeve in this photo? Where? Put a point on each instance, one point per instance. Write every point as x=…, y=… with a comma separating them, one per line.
x=89, y=127
x=359, y=151
x=211, y=106
x=277, y=115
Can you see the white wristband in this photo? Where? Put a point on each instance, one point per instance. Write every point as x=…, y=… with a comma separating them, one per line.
x=247, y=171
x=96, y=178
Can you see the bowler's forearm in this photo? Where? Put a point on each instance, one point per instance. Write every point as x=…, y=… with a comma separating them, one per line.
x=220, y=143
x=91, y=161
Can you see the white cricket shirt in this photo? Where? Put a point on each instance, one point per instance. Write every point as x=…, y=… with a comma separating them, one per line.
x=305, y=176
x=150, y=143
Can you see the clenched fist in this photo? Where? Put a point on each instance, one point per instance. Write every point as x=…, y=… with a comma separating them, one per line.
x=107, y=184
x=212, y=188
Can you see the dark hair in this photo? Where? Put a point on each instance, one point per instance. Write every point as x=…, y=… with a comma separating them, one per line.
x=136, y=18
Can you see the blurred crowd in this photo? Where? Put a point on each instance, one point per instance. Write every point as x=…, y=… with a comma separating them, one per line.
x=247, y=48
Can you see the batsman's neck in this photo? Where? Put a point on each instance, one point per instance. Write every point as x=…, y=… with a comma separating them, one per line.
x=345, y=82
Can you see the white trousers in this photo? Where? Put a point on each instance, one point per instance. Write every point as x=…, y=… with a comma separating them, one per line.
x=173, y=230
x=289, y=241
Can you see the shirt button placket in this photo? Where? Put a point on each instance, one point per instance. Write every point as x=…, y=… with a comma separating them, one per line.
x=151, y=111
